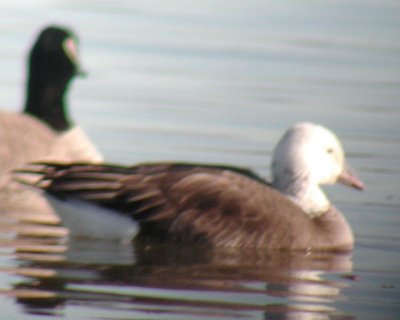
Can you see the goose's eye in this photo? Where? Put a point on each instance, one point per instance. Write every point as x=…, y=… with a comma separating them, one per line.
x=330, y=150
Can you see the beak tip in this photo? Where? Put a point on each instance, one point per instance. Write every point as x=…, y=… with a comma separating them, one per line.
x=349, y=179
x=81, y=73
x=359, y=186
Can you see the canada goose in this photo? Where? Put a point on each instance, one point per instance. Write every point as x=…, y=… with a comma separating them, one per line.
x=212, y=204
x=44, y=130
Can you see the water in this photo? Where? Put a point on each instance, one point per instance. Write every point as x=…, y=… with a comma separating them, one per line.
x=216, y=81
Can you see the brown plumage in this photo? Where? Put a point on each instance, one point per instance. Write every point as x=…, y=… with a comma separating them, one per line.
x=213, y=204
x=222, y=206
x=44, y=130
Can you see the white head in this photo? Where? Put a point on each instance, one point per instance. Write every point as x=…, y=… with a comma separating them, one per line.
x=307, y=156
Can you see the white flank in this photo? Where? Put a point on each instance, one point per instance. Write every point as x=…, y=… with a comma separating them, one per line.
x=86, y=220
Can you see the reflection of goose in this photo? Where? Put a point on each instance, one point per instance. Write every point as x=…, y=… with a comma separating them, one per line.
x=179, y=276
x=219, y=205
x=44, y=130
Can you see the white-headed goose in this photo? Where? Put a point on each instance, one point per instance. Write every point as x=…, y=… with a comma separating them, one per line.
x=213, y=204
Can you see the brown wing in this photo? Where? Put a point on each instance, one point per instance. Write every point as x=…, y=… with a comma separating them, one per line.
x=231, y=209
x=122, y=189
x=223, y=205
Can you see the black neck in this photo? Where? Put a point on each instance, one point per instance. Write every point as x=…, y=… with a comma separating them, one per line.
x=45, y=98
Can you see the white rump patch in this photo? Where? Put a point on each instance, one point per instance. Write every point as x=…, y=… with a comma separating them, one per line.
x=86, y=220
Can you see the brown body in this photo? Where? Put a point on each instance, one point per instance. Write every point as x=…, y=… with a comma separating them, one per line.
x=221, y=206
x=43, y=131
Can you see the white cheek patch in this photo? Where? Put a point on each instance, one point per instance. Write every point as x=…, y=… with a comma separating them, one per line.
x=71, y=50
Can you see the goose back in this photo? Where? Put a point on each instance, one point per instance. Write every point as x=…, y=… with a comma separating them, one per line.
x=222, y=206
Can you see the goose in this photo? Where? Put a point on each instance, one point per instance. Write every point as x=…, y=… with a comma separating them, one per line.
x=215, y=205
x=44, y=130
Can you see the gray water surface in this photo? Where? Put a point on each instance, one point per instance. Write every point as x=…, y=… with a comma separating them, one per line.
x=216, y=82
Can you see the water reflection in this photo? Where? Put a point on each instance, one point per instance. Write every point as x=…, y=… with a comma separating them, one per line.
x=163, y=280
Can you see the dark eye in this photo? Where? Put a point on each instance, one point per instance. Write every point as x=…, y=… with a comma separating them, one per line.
x=330, y=150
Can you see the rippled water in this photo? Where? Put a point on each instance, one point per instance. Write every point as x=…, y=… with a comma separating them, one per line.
x=216, y=81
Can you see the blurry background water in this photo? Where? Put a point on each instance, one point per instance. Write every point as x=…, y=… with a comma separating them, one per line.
x=216, y=81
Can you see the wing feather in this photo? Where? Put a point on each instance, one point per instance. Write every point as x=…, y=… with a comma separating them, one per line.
x=188, y=201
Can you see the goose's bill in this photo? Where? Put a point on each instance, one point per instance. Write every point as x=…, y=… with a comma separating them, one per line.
x=81, y=73
x=348, y=178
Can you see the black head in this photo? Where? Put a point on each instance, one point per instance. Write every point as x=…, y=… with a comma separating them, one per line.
x=53, y=63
